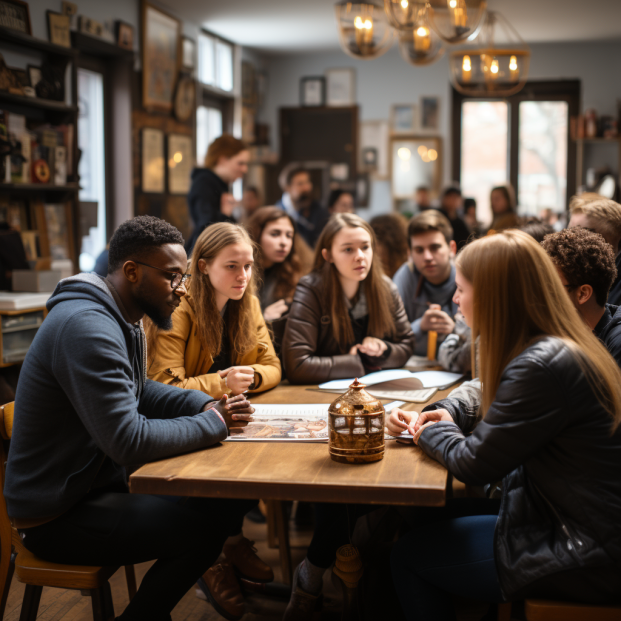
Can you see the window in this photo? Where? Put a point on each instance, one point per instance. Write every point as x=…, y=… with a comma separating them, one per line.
x=522, y=139
x=208, y=128
x=215, y=62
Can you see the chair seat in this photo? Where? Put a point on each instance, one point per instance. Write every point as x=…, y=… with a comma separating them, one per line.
x=545, y=610
x=30, y=569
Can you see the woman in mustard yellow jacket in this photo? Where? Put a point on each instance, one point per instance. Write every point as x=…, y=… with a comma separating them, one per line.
x=219, y=342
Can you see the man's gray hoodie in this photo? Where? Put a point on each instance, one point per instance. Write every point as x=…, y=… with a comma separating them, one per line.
x=84, y=408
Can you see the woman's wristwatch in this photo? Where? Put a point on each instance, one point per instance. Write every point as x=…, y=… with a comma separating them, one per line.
x=256, y=382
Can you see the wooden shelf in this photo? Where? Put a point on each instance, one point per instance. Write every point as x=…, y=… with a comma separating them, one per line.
x=38, y=187
x=16, y=38
x=598, y=140
x=35, y=102
x=99, y=47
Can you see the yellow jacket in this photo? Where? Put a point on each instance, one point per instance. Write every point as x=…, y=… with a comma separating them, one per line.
x=180, y=359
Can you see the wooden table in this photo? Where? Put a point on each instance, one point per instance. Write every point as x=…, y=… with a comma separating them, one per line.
x=297, y=471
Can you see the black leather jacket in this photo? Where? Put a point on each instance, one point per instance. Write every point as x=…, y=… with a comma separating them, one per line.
x=549, y=440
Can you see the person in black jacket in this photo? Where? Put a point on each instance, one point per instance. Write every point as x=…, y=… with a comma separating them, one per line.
x=225, y=162
x=586, y=266
x=546, y=431
x=451, y=206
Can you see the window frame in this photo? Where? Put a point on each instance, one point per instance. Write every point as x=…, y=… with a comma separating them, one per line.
x=213, y=89
x=558, y=90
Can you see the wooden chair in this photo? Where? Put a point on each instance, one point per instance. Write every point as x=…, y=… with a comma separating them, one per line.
x=36, y=573
x=545, y=610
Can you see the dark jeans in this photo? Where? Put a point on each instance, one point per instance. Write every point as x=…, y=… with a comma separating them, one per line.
x=438, y=558
x=114, y=529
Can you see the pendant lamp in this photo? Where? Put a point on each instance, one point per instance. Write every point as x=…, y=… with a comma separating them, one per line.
x=418, y=42
x=456, y=21
x=363, y=29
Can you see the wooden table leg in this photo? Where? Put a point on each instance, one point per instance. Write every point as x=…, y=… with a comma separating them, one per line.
x=271, y=524
x=282, y=531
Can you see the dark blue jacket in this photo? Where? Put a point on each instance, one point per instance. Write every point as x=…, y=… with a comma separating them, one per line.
x=84, y=410
x=608, y=330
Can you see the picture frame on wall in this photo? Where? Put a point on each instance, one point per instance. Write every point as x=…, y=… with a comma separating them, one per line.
x=153, y=174
x=403, y=119
x=313, y=91
x=374, y=135
x=340, y=87
x=124, y=35
x=59, y=28
x=180, y=163
x=90, y=26
x=415, y=160
x=161, y=34
x=15, y=15
x=430, y=114
x=188, y=54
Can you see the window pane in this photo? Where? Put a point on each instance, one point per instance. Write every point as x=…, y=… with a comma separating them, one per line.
x=208, y=128
x=206, y=59
x=224, y=59
x=484, y=151
x=92, y=161
x=542, y=174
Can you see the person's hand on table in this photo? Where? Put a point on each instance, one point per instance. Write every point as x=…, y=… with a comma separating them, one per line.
x=370, y=346
x=236, y=411
x=237, y=379
x=414, y=423
x=400, y=421
x=436, y=319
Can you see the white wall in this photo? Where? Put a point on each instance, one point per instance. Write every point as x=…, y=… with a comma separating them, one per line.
x=389, y=80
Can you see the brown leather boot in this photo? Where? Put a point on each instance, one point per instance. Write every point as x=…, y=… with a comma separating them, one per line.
x=246, y=563
x=221, y=588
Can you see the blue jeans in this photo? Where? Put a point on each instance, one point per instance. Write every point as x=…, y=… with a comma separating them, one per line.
x=442, y=558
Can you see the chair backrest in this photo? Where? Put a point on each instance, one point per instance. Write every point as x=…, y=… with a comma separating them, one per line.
x=6, y=429
x=7, y=412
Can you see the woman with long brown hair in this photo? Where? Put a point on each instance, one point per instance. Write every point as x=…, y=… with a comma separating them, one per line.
x=278, y=263
x=547, y=426
x=347, y=318
x=504, y=208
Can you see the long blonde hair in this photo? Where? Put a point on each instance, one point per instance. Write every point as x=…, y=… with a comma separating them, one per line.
x=518, y=297
x=242, y=330
x=379, y=298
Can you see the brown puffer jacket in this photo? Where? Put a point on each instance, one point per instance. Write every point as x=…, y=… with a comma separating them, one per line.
x=311, y=354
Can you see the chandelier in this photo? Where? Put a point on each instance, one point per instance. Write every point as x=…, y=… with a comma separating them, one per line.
x=456, y=21
x=363, y=29
x=498, y=65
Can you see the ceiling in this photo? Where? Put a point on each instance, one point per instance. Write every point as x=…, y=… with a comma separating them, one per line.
x=285, y=26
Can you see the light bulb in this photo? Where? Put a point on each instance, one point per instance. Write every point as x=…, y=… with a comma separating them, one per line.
x=364, y=33
x=358, y=22
x=466, y=69
x=459, y=13
x=422, y=150
x=494, y=66
x=404, y=4
x=513, y=63
x=422, y=40
x=404, y=153
x=433, y=155
x=452, y=4
x=178, y=157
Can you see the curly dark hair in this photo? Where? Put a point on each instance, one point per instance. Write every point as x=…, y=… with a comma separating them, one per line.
x=585, y=258
x=138, y=236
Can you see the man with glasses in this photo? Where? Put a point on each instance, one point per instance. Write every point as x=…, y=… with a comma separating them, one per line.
x=85, y=411
x=586, y=264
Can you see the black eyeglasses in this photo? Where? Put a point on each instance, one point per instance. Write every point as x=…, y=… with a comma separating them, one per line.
x=176, y=279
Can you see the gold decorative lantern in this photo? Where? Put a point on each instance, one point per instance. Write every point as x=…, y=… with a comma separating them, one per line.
x=420, y=44
x=356, y=424
x=456, y=21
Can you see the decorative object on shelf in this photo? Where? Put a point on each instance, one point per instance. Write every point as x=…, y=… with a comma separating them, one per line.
x=429, y=114
x=188, y=54
x=124, y=35
x=180, y=163
x=492, y=68
x=185, y=99
x=369, y=159
x=52, y=83
x=248, y=133
x=34, y=75
x=403, y=119
x=70, y=9
x=356, y=426
x=415, y=161
x=374, y=135
x=57, y=234
x=160, y=57
x=15, y=15
x=339, y=172
x=608, y=127
x=153, y=176
x=41, y=171
x=456, y=21
x=8, y=80
x=590, y=123
x=340, y=87
x=363, y=28
x=59, y=27
x=249, y=93
x=313, y=91
x=90, y=26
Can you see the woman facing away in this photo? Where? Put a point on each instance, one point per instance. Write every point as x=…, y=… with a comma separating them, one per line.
x=209, y=199
x=547, y=428
x=219, y=344
x=347, y=318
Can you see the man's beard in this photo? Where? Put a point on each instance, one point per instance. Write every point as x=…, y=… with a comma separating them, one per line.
x=157, y=315
x=303, y=201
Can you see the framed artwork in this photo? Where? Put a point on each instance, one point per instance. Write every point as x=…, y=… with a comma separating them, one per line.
x=340, y=87
x=249, y=95
x=369, y=158
x=90, y=26
x=161, y=35
x=180, y=163
x=373, y=137
x=59, y=28
x=124, y=35
x=153, y=176
x=188, y=54
x=430, y=114
x=403, y=119
x=313, y=91
x=15, y=15
x=414, y=161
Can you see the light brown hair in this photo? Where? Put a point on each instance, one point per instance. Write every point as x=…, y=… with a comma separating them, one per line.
x=427, y=221
x=605, y=213
x=224, y=146
x=391, y=233
x=289, y=272
x=238, y=315
x=377, y=291
x=509, y=271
